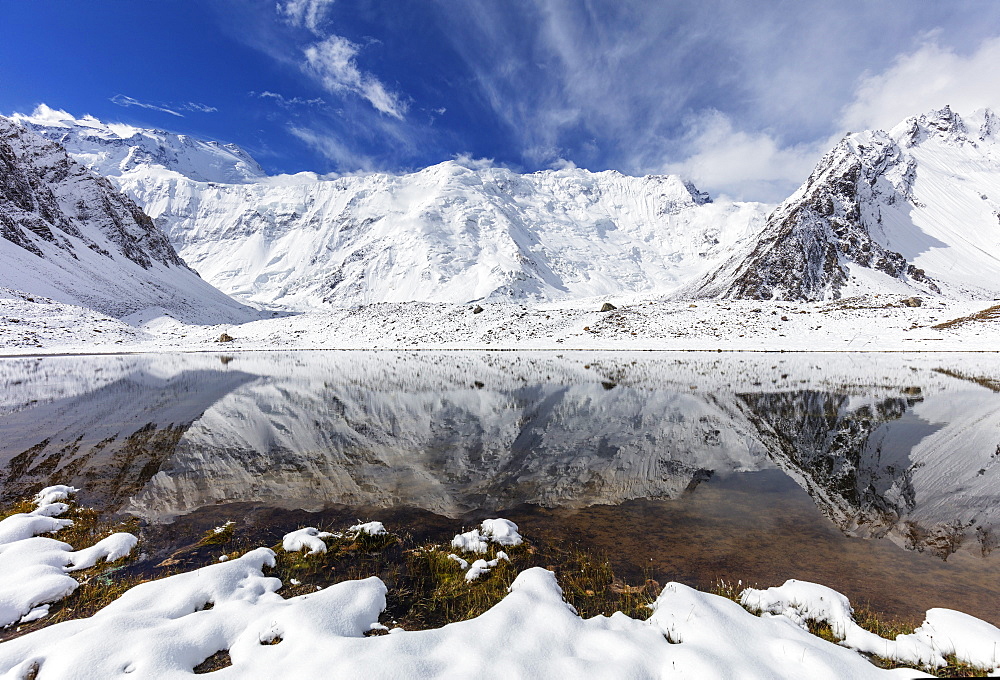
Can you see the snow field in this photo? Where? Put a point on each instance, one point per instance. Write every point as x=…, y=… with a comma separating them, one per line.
x=165, y=628
x=862, y=324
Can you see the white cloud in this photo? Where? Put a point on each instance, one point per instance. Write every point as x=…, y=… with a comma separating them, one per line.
x=743, y=165
x=332, y=62
x=126, y=101
x=307, y=14
x=923, y=80
x=200, y=108
x=721, y=158
x=330, y=147
x=288, y=102
x=467, y=160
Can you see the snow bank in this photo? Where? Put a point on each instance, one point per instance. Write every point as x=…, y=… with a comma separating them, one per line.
x=502, y=532
x=165, y=628
x=51, y=494
x=944, y=631
x=162, y=629
x=470, y=541
x=716, y=638
x=301, y=539
x=34, y=569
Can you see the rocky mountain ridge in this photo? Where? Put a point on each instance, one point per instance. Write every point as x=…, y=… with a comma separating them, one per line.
x=70, y=235
x=111, y=149
x=918, y=206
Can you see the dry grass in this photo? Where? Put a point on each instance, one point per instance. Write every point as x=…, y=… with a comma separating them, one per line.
x=988, y=314
x=883, y=626
x=989, y=383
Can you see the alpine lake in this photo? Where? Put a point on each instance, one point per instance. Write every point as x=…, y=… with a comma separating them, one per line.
x=875, y=474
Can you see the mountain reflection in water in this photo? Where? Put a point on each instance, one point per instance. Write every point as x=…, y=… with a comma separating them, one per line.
x=887, y=446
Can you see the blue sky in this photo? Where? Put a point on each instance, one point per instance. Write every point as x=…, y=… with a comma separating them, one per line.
x=741, y=97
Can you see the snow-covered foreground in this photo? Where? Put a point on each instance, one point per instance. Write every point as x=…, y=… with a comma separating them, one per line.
x=34, y=570
x=31, y=324
x=165, y=628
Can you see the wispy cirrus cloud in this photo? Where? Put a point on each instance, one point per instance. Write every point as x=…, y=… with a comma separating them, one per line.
x=330, y=147
x=308, y=14
x=172, y=109
x=288, y=102
x=126, y=101
x=198, y=107
x=332, y=62
x=742, y=95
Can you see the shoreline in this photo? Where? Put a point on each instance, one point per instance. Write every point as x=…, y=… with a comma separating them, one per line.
x=864, y=325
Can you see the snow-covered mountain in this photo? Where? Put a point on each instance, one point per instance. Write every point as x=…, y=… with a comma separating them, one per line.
x=70, y=235
x=445, y=234
x=448, y=233
x=111, y=149
x=915, y=209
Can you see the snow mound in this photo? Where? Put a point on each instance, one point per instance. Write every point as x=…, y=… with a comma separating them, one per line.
x=34, y=569
x=500, y=531
x=51, y=494
x=309, y=538
x=369, y=529
x=943, y=633
x=163, y=629
x=480, y=567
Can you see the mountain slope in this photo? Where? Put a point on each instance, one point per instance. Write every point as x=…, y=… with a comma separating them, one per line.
x=448, y=233
x=910, y=211
x=914, y=209
x=445, y=234
x=69, y=235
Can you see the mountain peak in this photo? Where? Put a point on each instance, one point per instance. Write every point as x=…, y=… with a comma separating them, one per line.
x=943, y=124
x=113, y=149
x=911, y=210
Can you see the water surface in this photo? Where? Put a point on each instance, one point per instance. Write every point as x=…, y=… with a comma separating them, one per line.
x=874, y=474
